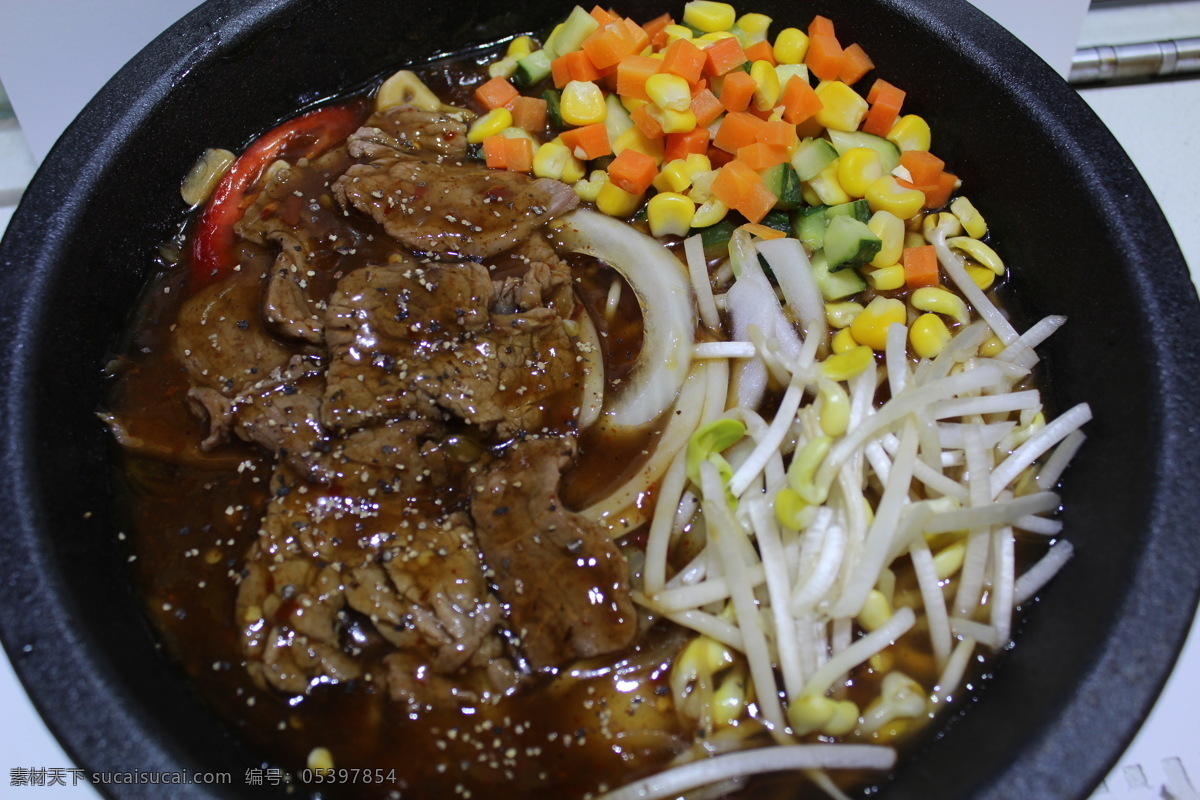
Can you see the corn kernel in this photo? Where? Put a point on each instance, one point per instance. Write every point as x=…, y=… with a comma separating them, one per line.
x=791, y=46
x=670, y=213
x=810, y=195
x=766, y=85
x=981, y=276
x=910, y=132
x=858, y=168
x=979, y=251
x=885, y=194
x=672, y=121
x=948, y=224
x=886, y=279
x=710, y=212
x=319, y=759
x=843, y=109
x=489, y=124
x=582, y=103
x=844, y=366
x=871, y=326
x=555, y=160
x=972, y=221
x=809, y=713
x=706, y=39
x=843, y=341
x=829, y=189
x=755, y=26
x=941, y=301
x=701, y=190
x=669, y=91
x=520, y=47
x=502, y=68
x=890, y=230
x=673, y=177
x=912, y=239
x=928, y=335
x=840, y=315
x=616, y=202
x=709, y=16
x=991, y=347
x=674, y=32
x=634, y=139
x=589, y=189
x=697, y=163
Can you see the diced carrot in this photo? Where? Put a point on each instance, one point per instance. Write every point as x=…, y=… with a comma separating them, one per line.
x=636, y=34
x=632, y=171
x=821, y=26
x=761, y=51
x=529, y=113
x=706, y=107
x=495, y=93
x=684, y=59
x=737, y=89
x=923, y=166
x=759, y=156
x=681, y=145
x=778, y=133
x=741, y=188
x=738, y=129
x=855, y=64
x=825, y=57
x=632, y=73
x=518, y=154
x=718, y=157
x=655, y=29
x=646, y=123
x=940, y=195
x=799, y=100
x=920, y=266
x=608, y=44
x=886, y=101
x=602, y=16
x=495, y=155
x=763, y=231
x=723, y=55
x=587, y=142
x=560, y=72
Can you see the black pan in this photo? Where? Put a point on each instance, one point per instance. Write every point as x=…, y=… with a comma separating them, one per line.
x=1079, y=227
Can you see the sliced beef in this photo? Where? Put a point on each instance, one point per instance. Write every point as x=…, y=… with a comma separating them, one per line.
x=378, y=545
x=564, y=581
x=452, y=211
x=288, y=307
x=410, y=340
x=406, y=130
x=220, y=338
x=541, y=278
x=288, y=609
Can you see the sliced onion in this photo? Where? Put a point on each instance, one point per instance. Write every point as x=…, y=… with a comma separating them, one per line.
x=661, y=285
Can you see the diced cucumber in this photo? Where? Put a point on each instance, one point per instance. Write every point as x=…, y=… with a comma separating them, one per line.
x=616, y=118
x=568, y=36
x=808, y=225
x=553, y=100
x=835, y=285
x=889, y=153
x=812, y=156
x=778, y=220
x=859, y=209
x=783, y=182
x=532, y=69
x=715, y=238
x=849, y=243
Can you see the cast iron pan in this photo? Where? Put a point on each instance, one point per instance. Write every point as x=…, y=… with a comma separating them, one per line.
x=1077, y=224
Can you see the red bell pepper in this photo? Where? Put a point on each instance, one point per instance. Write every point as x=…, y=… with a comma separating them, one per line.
x=306, y=136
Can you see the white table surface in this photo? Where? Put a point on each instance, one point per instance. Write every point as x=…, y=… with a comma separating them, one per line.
x=1156, y=123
